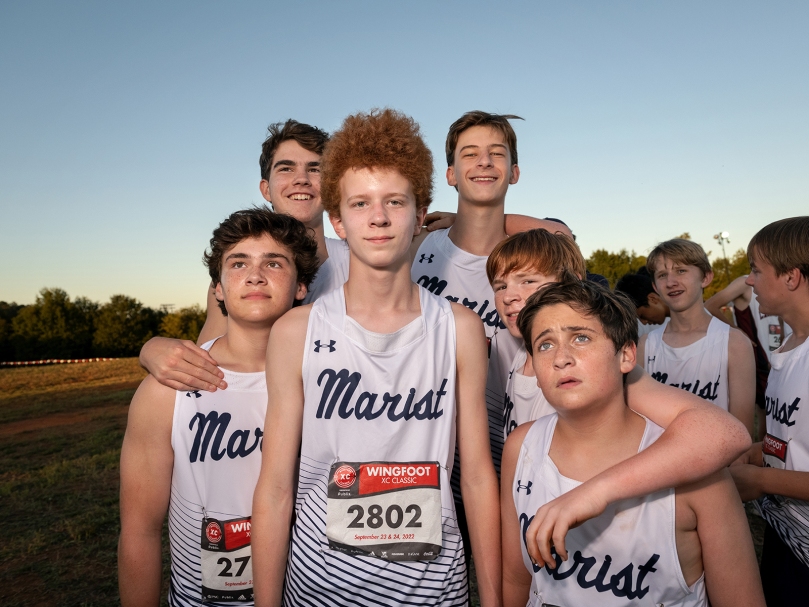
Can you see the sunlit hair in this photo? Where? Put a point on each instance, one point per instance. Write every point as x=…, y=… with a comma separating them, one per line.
x=380, y=139
x=783, y=244
x=615, y=311
x=499, y=122
x=308, y=137
x=254, y=223
x=681, y=251
x=537, y=250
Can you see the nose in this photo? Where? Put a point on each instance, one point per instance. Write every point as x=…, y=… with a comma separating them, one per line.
x=379, y=215
x=302, y=175
x=749, y=280
x=510, y=295
x=484, y=159
x=256, y=275
x=562, y=356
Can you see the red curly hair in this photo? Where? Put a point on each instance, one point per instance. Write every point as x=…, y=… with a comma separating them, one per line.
x=384, y=139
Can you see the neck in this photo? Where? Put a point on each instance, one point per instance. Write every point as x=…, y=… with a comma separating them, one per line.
x=694, y=318
x=316, y=225
x=796, y=315
x=528, y=367
x=478, y=229
x=244, y=347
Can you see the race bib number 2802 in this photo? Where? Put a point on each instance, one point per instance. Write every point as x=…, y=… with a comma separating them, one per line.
x=387, y=510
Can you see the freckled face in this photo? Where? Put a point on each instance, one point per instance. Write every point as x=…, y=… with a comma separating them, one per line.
x=512, y=290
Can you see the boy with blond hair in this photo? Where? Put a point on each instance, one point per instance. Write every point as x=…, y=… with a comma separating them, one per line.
x=671, y=547
x=693, y=350
x=776, y=471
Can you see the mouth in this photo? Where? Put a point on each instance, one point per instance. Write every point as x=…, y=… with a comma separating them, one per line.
x=256, y=296
x=567, y=383
x=484, y=179
x=676, y=293
x=379, y=239
x=301, y=197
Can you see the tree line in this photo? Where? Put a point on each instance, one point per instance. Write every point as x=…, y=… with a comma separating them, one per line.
x=57, y=327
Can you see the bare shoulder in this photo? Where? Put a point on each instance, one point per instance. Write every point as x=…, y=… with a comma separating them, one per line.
x=151, y=412
x=292, y=324
x=151, y=395
x=466, y=319
x=516, y=438
x=738, y=341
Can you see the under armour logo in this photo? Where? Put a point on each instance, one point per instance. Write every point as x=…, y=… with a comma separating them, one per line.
x=510, y=373
x=526, y=487
x=329, y=345
x=650, y=359
x=194, y=392
x=424, y=256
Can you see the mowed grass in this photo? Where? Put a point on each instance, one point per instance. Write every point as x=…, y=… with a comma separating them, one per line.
x=61, y=429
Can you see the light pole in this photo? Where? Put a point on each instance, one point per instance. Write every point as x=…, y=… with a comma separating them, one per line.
x=722, y=238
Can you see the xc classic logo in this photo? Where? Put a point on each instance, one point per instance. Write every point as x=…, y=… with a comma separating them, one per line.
x=329, y=345
x=424, y=256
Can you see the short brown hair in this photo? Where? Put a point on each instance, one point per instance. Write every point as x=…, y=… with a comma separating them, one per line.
x=784, y=245
x=253, y=223
x=499, y=122
x=615, y=311
x=681, y=251
x=308, y=137
x=550, y=254
x=384, y=139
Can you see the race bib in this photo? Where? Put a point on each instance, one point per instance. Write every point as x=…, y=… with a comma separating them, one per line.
x=227, y=568
x=775, y=337
x=388, y=510
x=775, y=452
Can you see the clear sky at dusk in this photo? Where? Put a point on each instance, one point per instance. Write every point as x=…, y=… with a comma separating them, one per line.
x=129, y=130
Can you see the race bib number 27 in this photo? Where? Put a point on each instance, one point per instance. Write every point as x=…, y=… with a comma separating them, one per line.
x=387, y=510
x=227, y=570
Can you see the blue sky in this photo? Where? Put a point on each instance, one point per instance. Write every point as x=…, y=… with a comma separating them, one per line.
x=129, y=130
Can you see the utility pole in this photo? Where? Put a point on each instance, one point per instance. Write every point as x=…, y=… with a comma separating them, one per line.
x=722, y=238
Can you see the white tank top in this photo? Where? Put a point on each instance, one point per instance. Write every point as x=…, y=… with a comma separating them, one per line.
x=217, y=439
x=524, y=399
x=768, y=328
x=446, y=270
x=701, y=367
x=626, y=556
x=377, y=407
x=333, y=273
x=786, y=445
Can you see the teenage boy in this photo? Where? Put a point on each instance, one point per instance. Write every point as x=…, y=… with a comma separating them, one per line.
x=693, y=350
x=665, y=548
x=371, y=385
x=776, y=472
x=197, y=454
x=517, y=268
x=651, y=310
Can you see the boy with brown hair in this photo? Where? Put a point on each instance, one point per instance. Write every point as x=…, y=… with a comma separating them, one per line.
x=668, y=547
x=693, y=350
x=776, y=471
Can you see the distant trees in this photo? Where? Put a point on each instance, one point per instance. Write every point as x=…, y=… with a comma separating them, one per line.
x=614, y=265
x=55, y=326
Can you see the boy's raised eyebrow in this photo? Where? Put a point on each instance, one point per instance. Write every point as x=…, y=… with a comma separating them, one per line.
x=569, y=329
x=264, y=256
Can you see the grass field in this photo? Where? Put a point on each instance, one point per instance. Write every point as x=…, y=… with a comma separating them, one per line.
x=61, y=429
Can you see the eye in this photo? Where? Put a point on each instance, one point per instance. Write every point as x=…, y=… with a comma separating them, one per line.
x=581, y=338
x=238, y=265
x=314, y=169
x=273, y=264
x=544, y=346
x=394, y=202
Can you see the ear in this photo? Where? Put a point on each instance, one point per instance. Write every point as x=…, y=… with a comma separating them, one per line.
x=451, y=177
x=218, y=292
x=337, y=224
x=628, y=354
x=301, y=292
x=515, y=174
x=653, y=298
x=264, y=186
x=707, y=279
x=793, y=279
x=420, y=215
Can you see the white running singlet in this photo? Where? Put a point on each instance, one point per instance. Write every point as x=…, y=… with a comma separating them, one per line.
x=768, y=328
x=786, y=445
x=700, y=368
x=375, y=522
x=333, y=273
x=524, y=399
x=626, y=556
x=217, y=439
x=446, y=270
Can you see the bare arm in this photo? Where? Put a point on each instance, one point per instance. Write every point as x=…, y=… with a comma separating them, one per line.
x=700, y=438
x=181, y=364
x=737, y=292
x=522, y=223
x=273, y=500
x=753, y=480
x=516, y=578
x=478, y=478
x=147, y=460
x=741, y=378
x=731, y=572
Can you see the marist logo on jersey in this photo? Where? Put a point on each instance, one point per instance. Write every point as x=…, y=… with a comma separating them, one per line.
x=436, y=286
x=708, y=391
x=340, y=386
x=210, y=436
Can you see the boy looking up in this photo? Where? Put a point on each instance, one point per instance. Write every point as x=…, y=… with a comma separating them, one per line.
x=197, y=454
x=776, y=472
x=667, y=547
x=371, y=385
x=693, y=350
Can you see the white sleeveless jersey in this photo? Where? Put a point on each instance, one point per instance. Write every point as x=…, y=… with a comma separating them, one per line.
x=768, y=328
x=786, y=445
x=333, y=273
x=701, y=367
x=524, y=399
x=626, y=556
x=446, y=270
x=217, y=439
x=378, y=422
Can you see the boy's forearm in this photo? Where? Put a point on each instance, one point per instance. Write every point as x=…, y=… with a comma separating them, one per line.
x=270, y=523
x=139, y=568
x=482, y=504
x=787, y=483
